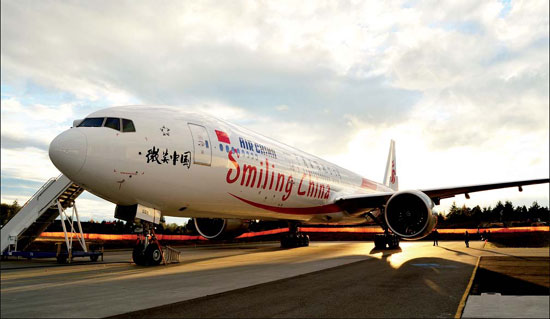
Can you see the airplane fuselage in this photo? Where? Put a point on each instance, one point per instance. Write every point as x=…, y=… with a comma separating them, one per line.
x=193, y=165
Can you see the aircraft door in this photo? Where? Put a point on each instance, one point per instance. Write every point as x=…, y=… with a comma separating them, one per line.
x=202, y=148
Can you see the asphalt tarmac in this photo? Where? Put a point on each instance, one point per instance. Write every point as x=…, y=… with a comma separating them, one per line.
x=328, y=279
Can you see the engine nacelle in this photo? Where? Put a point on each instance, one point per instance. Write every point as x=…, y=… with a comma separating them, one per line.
x=220, y=228
x=409, y=214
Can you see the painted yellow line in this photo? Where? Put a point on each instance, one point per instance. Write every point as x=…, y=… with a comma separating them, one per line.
x=467, y=291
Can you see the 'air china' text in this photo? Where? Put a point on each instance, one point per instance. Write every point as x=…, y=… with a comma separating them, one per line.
x=256, y=147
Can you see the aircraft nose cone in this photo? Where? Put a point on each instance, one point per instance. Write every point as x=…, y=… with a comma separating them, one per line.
x=68, y=152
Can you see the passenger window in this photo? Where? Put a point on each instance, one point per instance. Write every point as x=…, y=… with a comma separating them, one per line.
x=92, y=122
x=128, y=126
x=113, y=123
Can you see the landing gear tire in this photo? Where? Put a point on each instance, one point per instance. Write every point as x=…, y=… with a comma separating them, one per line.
x=383, y=241
x=379, y=241
x=304, y=240
x=393, y=242
x=294, y=240
x=287, y=242
x=94, y=258
x=138, y=255
x=153, y=254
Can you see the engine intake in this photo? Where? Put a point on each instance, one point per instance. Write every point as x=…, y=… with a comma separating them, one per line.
x=220, y=228
x=409, y=214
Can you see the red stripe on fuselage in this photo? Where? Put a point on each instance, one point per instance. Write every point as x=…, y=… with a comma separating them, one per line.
x=368, y=184
x=325, y=209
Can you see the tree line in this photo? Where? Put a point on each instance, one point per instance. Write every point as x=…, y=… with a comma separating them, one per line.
x=501, y=215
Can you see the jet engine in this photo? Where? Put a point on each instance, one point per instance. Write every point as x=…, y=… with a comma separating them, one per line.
x=409, y=214
x=220, y=228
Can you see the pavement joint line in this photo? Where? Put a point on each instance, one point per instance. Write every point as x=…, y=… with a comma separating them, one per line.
x=462, y=303
x=67, y=265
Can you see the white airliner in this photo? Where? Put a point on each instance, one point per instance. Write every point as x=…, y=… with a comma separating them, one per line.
x=153, y=160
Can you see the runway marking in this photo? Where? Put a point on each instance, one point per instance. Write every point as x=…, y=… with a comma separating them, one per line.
x=462, y=303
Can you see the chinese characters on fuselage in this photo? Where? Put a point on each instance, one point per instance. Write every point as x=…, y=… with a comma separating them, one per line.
x=154, y=155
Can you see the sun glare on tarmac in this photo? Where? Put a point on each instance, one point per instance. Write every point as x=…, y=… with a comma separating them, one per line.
x=395, y=258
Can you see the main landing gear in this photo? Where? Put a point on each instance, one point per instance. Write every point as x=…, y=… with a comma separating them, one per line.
x=147, y=251
x=389, y=240
x=294, y=238
x=385, y=240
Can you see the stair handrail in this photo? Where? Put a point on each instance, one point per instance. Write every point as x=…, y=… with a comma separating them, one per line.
x=42, y=189
x=38, y=193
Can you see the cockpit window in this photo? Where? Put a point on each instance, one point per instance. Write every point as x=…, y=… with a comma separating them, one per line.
x=110, y=122
x=92, y=122
x=113, y=123
x=128, y=126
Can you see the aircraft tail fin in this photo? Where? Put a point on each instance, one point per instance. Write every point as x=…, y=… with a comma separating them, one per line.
x=390, y=177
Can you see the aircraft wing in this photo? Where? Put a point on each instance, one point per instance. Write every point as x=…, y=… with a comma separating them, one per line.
x=440, y=193
x=365, y=202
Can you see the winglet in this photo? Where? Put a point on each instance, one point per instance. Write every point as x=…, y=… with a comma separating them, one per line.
x=390, y=177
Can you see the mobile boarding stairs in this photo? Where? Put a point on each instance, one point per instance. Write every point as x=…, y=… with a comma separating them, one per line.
x=50, y=201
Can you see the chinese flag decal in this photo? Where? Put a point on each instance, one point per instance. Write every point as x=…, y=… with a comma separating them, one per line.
x=222, y=137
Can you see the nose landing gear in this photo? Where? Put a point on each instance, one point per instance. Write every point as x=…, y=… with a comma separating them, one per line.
x=147, y=251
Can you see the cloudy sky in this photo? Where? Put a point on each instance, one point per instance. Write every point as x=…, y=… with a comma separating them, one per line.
x=463, y=86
